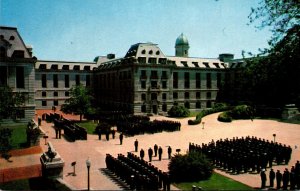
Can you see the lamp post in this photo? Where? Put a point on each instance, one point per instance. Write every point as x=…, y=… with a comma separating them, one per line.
x=274, y=135
x=88, y=165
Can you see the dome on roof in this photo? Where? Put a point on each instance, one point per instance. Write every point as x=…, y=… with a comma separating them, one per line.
x=182, y=40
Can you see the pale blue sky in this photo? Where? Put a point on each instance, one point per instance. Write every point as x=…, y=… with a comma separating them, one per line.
x=80, y=30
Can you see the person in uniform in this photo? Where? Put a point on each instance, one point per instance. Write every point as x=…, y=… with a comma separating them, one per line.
x=272, y=177
x=136, y=145
x=278, y=179
x=263, y=178
x=121, y=138
x=155, y=150
x=142, y=154
x=160, y=151
x=285, y=179
x=169, y=152
x=150, y=153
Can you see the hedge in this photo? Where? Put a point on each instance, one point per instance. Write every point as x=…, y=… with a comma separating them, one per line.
x=225, y=117
x=218, y=107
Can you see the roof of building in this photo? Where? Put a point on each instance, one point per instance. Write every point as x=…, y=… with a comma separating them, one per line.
x=182, y=40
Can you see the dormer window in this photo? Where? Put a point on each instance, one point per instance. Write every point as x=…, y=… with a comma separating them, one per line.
x=143, y=51
x=196, y=64
x=76, y=67
x=150, y=52
x=43, y=67
x=11, y=38
x=54, y=66
x=217, y=65
x=87, y=68
x=184, y=63
x=157, y=52
x=65, y=67
x=18, y=54
x=206, y=64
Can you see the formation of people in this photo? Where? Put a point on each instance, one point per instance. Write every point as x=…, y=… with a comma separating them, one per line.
x=143, y=126
x=137, y=173
x=244, y=154
x=283, y=179
x=156, y=151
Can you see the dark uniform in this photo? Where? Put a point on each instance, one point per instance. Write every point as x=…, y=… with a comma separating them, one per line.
x=150, y=153
x=263, y=178
x=155, y=150
x=121, y=138
x=278, y=179
x=169, y=152
x=142, y=154
x=272, y=177
x=285, y=179
x=160, y=151
x=136, y=145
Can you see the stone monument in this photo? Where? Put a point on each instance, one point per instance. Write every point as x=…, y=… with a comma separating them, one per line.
x=52, y=163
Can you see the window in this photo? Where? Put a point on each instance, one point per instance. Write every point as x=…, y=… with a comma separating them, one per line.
x=2, y=52
x=164, y=96
x=152, y=60
x=143, y=51
x=208, y=95
x=143, y=96
x=198, y=104
x=208, y=104
x=157, y=52
x=20, y=77
x=196, y=64
x=186, y=95
x=217, y=65
x=87, y=68
x=198, y=95
x=198, y=80
x=143, y=74
x=175, y=80
x=88, y=80
x=154, y=74
x=142, y=60
x=3, y=75
x=67, y=81
x=187, y=105
x=175, y=95
x=219, y=80
x=164, y=107
x=186, y=80
x=164, y=84
x=77, y=79
x=55, y=94
x=208, y=80
x=18, y=54
x=11, y=38
x=20, y=113
x=162, y=60
x=143, y=84
x=150, y=52
x=55, y=81
x=184, y=63
x=67, y=94
x=43, y=66
x=154, y=84
x=44, y=94
x=143, y=108
x=164, y=75
x=76, y=67
x=44, y=80
x=154, y=96
x=54, y=66
x=65, y=67
x=44, y=103
x=206, y=64
x=55, y=102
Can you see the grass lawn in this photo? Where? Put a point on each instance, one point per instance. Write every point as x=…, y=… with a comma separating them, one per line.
x=18, y=138
x=216, y=182
x=88, y=125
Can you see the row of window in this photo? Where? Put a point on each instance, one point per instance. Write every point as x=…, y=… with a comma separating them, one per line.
x=175, y=96
x=67, y=80
x=54, y=103
x=150, y=52
x=165, y=107
x=55, y=94
x=64, y=67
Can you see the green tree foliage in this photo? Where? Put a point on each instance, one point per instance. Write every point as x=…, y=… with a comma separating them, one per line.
x=178, y=111
x=191, y=167
x=9, y=102
x=5, y=141
x=79, y=102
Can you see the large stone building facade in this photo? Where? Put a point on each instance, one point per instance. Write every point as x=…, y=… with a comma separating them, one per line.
x=145, y=81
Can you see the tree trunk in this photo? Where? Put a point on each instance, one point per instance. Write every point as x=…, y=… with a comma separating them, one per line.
x=80, y=117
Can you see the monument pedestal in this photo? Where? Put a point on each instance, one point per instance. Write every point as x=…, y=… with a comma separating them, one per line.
x=52, y=163
x=289, y=111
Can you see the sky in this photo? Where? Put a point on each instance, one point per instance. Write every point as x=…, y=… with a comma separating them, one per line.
x=80, y=30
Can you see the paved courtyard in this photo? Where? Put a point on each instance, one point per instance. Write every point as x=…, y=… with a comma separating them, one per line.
x=96, y=150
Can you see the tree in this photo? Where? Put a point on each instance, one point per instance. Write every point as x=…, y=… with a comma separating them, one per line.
x=10, y=102
x=79, y=103
x=178, y=111
x=192, y=167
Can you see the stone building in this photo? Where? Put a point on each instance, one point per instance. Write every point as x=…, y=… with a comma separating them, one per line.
x=147, y=81
x=17, y=70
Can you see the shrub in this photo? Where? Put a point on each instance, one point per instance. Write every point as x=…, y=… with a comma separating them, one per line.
x=178, y=111
x=225, y=117
x=242, y=112
x=217, y=108
x=191, y=167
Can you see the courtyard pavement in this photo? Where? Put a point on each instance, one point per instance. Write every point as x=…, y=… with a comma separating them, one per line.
x=96, y=150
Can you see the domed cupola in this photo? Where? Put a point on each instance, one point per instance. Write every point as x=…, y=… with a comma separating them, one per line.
x=182, y=46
